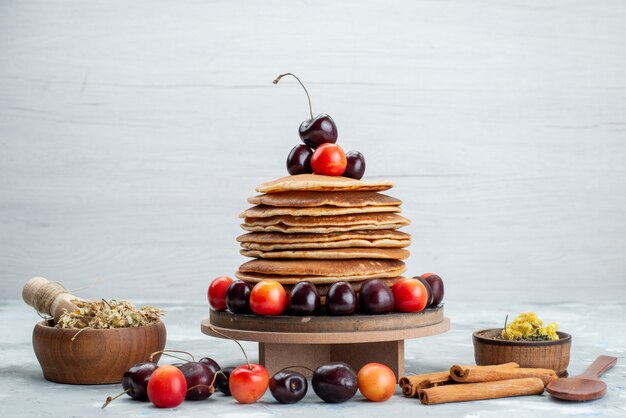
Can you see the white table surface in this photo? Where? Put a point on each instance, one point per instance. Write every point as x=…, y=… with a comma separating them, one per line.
x=595, y=329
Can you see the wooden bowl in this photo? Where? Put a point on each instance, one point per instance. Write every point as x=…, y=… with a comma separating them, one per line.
x=96, y=356
x=540, y=354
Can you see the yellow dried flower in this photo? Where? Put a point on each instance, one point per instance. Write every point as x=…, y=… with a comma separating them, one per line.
x=527, y=326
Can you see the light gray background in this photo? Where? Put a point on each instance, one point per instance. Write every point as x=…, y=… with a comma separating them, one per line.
x=132, y=132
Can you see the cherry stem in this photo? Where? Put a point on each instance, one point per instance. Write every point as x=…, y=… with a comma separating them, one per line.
x=293, y=367
x=111, y=399
x=238, y=343
x=211, y=387
x=166, y=352
x=305, y=90
x=215, y=376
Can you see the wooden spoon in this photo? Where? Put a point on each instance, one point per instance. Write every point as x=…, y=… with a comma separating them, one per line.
x=584, y=387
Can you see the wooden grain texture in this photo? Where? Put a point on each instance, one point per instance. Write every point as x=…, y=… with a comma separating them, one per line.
x=326, y=323
x=584, y=387
x=553, y=355
x=276, y=357
x=95, y=356
x=131, y=134
x=350, y=337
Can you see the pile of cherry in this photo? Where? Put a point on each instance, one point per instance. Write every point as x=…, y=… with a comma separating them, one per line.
x=269, y=297
x=320, y=154
x=168, y=386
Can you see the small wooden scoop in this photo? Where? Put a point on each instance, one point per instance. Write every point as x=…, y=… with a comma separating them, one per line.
x=584, y=387
x=49, y=298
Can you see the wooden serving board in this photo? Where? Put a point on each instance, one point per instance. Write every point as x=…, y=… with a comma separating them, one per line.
x=326, y=323
x=311, y=341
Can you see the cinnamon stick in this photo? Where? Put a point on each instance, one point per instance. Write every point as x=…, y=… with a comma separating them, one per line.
x=480, y=391
x=411, y=385
x=475, y=374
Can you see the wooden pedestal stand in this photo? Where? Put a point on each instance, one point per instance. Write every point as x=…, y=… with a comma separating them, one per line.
x=311, y=341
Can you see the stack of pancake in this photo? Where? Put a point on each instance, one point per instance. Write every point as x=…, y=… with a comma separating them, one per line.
x=323, y=229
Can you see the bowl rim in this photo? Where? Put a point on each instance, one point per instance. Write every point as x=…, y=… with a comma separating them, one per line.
x=45, y=324
x=564, y=338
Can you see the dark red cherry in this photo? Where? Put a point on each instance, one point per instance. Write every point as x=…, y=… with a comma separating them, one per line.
x=135, y=380
x=222, y=380
x=429, y=290
x=238, y=297
x=199, y=377
x=334, y=382
x=318, y=130
x=303, y=299
x=356, y=165
x=299, y=160
x=288, y=386
x=375, y=297
x=341, y=299
x=436, y=284
x=212, y=364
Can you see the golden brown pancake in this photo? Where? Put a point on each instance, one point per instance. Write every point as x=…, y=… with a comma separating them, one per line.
x=264, y=211
x=271, y=241
x=317, y=182
x=275, y=237
x=307, y=199
x=338, y=220
x=325, y=224
x=353, y=243
x=332, y=268
x=317, y=230
x=331, y=254
x=285, y=280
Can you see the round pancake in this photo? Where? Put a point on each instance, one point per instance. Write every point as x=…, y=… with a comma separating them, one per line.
x=353, y=243
x=330, y=254
x=332, y=268
x=317, y=280
x=317, y=230
x=264, y=211
x=274, y=237
x=339, y=220
x=317, y=182
x=307, y=199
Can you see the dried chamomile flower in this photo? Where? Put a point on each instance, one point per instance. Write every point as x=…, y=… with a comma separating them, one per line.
x=102, y=314
x=550, y=331
x=528, y=327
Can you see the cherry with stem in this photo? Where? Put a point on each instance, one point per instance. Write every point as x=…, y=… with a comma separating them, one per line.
x=317, y=130
x=247, y=383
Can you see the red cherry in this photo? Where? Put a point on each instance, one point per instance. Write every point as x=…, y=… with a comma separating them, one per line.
x=167, y=387
x=329, y=160
x=410, y=295
x=377, y=382
x=268, y=297
x=217, y=292
x=248, y=383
